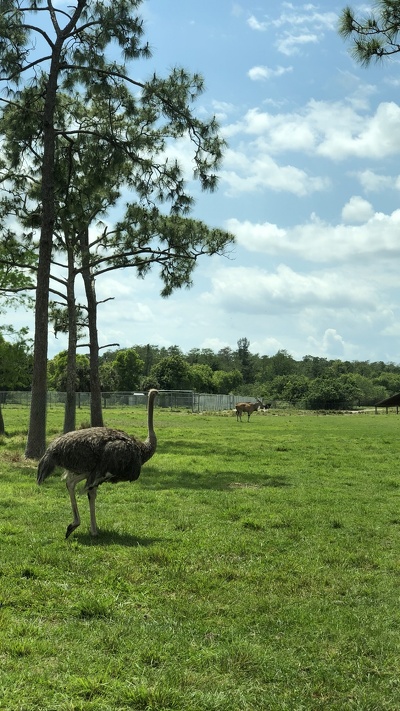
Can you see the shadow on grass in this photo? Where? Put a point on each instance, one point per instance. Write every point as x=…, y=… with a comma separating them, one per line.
x=218, y=481
x=113, y=538
x=181, y=446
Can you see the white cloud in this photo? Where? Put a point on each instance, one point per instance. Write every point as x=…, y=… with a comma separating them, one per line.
x=392, y=329
x=246, y=173
x=262, y=73
x=374, y=183
x=333, y=130
x=302, y=16
x=112, y=287
x=307, y=16
x=320, y=241
x=357, y=210
x=290, y=44
x=256, y=291
x=222, y=110
x=255, y=24
x=290, y=135
x=332, y=344
x=296, y=27
x=215, y=344
x=377, y=137
x=224, y=106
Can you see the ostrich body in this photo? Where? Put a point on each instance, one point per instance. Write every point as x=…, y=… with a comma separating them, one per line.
x=98, y=454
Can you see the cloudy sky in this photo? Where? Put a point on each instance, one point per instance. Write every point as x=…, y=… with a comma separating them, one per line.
x=310, y=187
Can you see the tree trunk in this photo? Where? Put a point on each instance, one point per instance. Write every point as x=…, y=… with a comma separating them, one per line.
x=70, y=402
x=96, y=413
x=36, y=443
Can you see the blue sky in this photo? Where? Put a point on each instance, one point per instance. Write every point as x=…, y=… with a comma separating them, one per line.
x=310, y=186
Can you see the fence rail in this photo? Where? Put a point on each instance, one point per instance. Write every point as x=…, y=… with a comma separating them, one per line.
x=172, y=399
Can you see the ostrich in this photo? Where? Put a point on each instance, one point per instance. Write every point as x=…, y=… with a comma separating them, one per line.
x=97, y=454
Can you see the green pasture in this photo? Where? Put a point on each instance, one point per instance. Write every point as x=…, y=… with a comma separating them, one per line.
x=252, y=566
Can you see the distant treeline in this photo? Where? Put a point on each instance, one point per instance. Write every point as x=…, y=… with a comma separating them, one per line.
x=313, y=382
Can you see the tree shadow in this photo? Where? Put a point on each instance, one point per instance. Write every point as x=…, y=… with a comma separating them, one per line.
x=219, y=481
x=275, y=481
x=172, y=446
x=113, y=538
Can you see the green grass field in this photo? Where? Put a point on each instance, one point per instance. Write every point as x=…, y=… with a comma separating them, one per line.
x=252, y=566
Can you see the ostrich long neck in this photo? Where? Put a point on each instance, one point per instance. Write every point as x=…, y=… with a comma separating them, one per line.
x=150, y=442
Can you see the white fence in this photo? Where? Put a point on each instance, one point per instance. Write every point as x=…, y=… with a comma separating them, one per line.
x=172, y=399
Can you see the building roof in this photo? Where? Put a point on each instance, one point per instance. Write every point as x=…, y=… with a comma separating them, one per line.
x=391, y=401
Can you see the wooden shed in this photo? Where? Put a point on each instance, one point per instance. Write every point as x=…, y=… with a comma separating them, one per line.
x=392, y=401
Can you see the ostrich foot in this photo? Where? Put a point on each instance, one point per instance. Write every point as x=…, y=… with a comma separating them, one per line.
x=70, y=529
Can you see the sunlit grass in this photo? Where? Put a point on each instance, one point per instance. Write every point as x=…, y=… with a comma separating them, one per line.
x=252, y=566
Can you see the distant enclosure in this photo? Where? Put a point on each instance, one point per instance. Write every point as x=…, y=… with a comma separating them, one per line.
x=172, y=399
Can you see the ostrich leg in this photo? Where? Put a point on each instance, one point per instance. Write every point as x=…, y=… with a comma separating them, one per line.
x=92, y=493
x=71, y=483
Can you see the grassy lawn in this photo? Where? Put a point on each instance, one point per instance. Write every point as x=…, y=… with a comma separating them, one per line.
x=252, y=566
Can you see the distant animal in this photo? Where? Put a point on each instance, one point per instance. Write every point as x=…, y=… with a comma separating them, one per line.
x=248, y=407
x=98, y=454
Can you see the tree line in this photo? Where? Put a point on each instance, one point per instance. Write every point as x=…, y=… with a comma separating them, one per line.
x=313, y=382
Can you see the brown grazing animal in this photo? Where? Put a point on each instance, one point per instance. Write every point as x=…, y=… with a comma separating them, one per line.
x=98, y=454
x=248, y=407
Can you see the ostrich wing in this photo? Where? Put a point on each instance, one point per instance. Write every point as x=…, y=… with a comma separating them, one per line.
x=121, y=461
